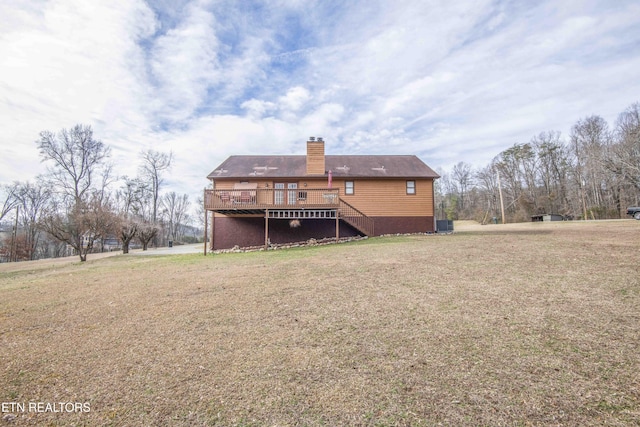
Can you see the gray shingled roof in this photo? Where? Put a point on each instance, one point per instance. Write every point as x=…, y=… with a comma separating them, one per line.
x=340, y=166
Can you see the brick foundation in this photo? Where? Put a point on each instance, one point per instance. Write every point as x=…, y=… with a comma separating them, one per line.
x=249, y=231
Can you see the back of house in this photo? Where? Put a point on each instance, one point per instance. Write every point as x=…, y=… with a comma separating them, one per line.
x=257, y=200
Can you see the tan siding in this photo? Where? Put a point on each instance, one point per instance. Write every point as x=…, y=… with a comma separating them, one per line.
x=389, y=197
x=383, y=197
x=314, y=183
x=372, y=197
x=228, y=185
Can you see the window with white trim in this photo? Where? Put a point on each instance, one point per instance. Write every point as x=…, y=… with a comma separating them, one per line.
x=348, y=187
x=411, y=187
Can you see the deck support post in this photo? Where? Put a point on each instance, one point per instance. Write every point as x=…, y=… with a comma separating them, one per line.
x=206, y=225
x=213, y=228
x=337, y=227
x=266, y=229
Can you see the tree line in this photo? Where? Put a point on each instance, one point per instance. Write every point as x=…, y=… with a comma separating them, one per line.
x=80, y=206
x=592, y=174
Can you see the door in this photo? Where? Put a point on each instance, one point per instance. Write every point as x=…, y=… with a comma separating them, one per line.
x=278, y=194
x=286, y=193
x=292, y=194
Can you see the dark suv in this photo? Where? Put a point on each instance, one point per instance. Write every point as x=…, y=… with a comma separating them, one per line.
x=634, y=212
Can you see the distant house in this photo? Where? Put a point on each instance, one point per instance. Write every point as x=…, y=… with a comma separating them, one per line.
x=257, y=200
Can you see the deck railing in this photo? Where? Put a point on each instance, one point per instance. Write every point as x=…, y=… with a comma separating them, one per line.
x=272, y=198
x=356, y=218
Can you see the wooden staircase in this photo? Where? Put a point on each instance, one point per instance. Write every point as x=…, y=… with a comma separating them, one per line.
x=355, y=218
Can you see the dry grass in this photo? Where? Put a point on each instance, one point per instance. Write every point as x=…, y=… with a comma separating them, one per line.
x=533, y=324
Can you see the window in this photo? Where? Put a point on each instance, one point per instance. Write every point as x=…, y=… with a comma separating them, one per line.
x=348, y=187
x=411, y=187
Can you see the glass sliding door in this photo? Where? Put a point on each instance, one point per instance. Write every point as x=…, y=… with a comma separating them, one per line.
x=278, y=193
x=285, y=193
x=292, y=194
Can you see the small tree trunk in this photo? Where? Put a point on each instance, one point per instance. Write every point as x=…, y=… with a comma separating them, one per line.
x=126, y=242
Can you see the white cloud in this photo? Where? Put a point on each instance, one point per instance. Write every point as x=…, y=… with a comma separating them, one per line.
x=184, y=64
x=450, y=81
x=256, y=108
x=295, y=99
x=69, y=62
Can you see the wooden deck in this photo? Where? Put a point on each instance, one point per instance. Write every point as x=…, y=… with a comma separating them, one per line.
x=256, y=200
x=275, y=203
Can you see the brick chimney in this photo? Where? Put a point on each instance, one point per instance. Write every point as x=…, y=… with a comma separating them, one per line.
x=315, y=156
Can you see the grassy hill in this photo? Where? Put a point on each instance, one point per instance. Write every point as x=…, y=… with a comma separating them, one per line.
x=529, y=324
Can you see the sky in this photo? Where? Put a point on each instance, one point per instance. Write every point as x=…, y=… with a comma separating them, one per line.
x=448, y=81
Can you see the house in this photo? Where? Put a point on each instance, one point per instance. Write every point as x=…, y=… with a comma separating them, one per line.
x=257, y=200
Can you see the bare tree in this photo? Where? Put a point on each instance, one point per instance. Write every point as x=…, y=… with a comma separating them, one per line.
x=81, y=225
x=147, y=231
x=595, y=174
x=79, y=214
x=127, y=230
x=553, y=165
x=154, y=163
x=588, y=138
x=175, y=209
x=9, y=201
x=127, y=200
x=509, y=164
x=488, y=185
x=446, y=196
x=624, y=156
x=77, y=158
x=32, y=199
x=463, y=178
x=200, y=212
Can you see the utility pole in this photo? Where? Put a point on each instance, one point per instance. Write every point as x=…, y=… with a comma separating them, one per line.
x=206, y=224
x=500, y=191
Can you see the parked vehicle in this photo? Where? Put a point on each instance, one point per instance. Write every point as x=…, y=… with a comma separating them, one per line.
x=634, y=211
